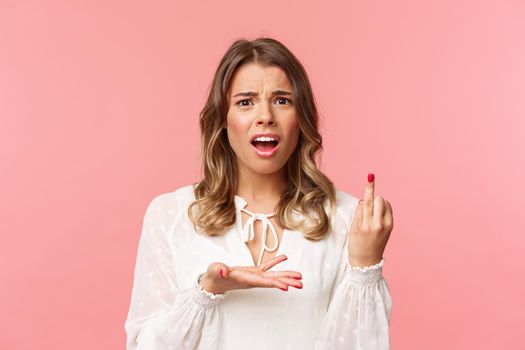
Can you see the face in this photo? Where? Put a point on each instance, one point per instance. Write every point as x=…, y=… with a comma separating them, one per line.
x=260, y=102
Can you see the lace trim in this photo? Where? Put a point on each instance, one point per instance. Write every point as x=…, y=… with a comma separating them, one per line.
x=209, y=294
x=203, y=298
x=366, y=275
x=366, y=268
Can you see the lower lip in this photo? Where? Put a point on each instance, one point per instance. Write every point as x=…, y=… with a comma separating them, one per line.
x=266, y=154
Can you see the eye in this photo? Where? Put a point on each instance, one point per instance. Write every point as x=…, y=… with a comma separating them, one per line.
x=285, y=99
x=239, y=103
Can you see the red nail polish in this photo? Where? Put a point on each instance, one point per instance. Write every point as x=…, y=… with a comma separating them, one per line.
x=222, y=273
x=284, y=289
x=297, y=278
x=370, y=177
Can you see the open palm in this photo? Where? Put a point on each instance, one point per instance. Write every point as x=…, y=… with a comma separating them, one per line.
x=221, y=277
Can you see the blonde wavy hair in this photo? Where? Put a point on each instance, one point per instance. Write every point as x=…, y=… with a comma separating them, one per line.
x=310, y=192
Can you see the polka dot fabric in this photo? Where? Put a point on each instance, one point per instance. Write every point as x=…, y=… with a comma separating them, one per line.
x=339, y=306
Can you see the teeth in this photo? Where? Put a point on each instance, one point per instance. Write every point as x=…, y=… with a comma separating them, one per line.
x=267, y=139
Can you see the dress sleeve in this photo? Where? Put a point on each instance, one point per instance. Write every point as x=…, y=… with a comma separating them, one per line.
x=161, y=316
x=358, y=315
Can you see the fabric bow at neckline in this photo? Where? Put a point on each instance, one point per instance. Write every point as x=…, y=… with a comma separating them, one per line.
x=248, y=231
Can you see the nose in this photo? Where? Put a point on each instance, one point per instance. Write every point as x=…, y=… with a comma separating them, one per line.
x=266, y=116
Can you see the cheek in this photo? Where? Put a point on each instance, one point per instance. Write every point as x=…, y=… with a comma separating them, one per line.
x=292, y=130
x=237, y=131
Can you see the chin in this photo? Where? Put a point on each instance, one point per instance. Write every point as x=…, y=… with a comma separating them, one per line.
x=265, y=170
x=266, y=167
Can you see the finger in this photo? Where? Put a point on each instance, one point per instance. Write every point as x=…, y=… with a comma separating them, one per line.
x=358, y=215
x=254, y=280
x=225, y=272
x=379, y=211
x=280, y=285
x=368, y=200
x=291, y=282
x=219, y=270
x=389, y=217
x=289, y=274
x=272, y=262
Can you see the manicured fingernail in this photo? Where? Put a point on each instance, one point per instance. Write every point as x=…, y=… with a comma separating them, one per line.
x=221, y=273
x=300, y=287
x=284, y=289
x=297, y=278
x=370, y=177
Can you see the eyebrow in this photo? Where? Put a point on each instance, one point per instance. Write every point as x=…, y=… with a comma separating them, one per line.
x=252, y=93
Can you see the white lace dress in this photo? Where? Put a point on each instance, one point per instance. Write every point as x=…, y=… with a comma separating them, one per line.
x=339, y=306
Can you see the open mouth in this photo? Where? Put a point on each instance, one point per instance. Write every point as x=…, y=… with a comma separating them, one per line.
x=265, y=146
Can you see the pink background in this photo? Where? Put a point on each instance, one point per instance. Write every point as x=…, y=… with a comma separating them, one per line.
x=99, y=103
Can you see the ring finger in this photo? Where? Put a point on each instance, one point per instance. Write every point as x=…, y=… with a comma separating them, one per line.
x=291, y=282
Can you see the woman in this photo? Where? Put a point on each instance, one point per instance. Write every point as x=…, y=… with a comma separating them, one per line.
x=213, y=255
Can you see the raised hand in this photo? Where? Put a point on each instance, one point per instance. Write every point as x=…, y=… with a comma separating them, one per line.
x=370, y=229
x=220, y=278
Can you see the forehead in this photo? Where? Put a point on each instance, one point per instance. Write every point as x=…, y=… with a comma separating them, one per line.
x=255, y=77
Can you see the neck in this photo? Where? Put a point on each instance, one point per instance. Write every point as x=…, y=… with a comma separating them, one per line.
x=255, y=187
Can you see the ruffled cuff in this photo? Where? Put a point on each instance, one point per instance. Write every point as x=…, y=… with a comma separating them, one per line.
x=366, y=275
x=204, y=298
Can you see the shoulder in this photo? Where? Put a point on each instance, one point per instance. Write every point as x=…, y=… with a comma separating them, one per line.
x=173, y=201
x=346, y=203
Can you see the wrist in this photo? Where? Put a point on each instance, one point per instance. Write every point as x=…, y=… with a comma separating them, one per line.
x=207, y=283
x=363, y=262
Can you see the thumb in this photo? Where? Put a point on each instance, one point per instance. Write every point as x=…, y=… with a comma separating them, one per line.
x=219, y=270
x=225, y=271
